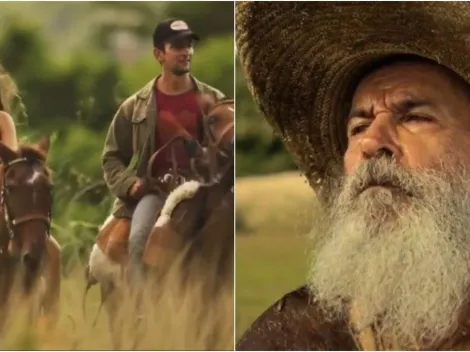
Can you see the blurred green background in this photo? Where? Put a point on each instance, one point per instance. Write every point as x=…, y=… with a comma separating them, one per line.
x=74, y=63
x=274, y=205
x=259, y=150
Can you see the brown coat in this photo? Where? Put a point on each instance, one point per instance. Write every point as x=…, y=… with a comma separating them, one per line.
x=295, y=323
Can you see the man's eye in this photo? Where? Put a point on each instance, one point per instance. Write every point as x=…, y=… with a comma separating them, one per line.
x=358, y=129
x=416, y=118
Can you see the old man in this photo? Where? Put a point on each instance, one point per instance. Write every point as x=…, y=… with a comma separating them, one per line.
x=373, y=102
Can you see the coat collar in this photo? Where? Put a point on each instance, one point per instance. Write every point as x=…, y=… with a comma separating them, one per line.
x=147, y=90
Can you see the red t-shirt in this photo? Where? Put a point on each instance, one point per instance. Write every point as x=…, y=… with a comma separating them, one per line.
x=175, y=112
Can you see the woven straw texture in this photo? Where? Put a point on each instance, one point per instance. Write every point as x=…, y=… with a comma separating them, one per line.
x=302, y=61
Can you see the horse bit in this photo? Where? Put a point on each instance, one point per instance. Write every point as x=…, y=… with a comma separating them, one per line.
x=213, y=148
x=12, y=222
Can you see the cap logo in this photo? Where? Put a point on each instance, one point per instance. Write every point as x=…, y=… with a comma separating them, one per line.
x=179, y=26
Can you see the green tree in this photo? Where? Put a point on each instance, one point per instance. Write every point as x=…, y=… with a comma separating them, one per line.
x=208, y=18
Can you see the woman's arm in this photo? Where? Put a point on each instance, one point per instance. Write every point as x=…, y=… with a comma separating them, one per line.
x=8, y=131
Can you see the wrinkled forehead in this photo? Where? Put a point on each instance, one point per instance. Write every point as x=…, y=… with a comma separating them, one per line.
x=411, y=77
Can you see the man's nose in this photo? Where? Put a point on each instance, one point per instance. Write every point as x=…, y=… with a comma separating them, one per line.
x=381, y=139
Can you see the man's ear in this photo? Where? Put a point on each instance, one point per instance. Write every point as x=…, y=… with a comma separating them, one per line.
x=158, y=54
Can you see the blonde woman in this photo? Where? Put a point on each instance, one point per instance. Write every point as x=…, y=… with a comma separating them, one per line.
x=8, y=91
x=8, y=136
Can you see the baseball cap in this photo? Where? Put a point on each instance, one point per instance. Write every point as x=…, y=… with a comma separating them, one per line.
x=171, y=29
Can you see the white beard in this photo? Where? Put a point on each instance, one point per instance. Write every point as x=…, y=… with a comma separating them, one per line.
x=405, y=259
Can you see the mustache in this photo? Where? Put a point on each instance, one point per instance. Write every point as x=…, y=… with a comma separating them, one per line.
x=383, y=172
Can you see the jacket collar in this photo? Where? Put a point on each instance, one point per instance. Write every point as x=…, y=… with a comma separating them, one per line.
x=147, y=90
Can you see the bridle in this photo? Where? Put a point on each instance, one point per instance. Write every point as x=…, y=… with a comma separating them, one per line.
x=12, y=222
x=214, y=141
x=173, y=179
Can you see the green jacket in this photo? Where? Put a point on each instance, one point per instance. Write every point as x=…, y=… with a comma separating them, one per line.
x=130, y=143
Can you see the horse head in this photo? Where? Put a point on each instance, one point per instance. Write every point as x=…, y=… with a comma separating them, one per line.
x=217, y=152
x=219, y=127
x=26, y=202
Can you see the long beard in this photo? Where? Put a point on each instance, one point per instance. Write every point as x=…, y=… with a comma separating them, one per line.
x=402, y=256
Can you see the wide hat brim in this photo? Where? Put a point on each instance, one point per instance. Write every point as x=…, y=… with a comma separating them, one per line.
x=302, y=61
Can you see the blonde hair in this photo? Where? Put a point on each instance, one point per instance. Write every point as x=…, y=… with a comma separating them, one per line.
x=8, y=90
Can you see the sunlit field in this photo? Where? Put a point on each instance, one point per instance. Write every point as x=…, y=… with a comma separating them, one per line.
x=181, y=318
x=273, y=217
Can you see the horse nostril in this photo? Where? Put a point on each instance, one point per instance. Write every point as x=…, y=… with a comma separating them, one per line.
x=28, y=260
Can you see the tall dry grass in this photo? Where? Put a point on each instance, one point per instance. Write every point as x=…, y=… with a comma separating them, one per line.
x=276, y=213
x=177, y=315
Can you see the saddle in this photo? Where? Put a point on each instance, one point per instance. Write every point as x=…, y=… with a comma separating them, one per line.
x=162, y=247
x=113, y=240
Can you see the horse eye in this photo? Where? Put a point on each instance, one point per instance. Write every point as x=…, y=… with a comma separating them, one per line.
x=10, y=187
x=211, y=120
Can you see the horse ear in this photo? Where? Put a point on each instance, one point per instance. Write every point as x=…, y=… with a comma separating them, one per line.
x=6, y=154
x=44, y=144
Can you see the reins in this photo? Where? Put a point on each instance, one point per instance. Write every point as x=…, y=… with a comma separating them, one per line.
x=12, y=222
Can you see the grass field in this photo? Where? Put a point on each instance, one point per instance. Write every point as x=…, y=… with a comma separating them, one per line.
x=273, y=216
x=181, y=319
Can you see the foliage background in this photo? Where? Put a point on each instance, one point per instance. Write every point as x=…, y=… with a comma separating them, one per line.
x=274, y=204
x=74, y=63
x=259, y=150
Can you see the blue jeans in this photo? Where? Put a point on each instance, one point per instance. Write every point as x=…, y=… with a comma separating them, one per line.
x=143, y=220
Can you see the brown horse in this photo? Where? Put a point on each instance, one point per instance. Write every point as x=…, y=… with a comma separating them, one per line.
x=28, y=255
x=202, y=219
x=188, y=216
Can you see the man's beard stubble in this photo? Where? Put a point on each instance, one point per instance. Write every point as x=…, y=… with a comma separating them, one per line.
x=403, y=255
x=178, y=70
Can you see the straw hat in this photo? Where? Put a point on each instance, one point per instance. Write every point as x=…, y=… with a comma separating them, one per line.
x=302, y=61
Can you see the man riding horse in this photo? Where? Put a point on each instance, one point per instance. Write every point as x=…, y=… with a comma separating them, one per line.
x=144, y=123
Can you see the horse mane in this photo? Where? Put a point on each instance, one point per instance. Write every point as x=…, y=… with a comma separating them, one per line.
x=34, y=155
x=224, y=101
